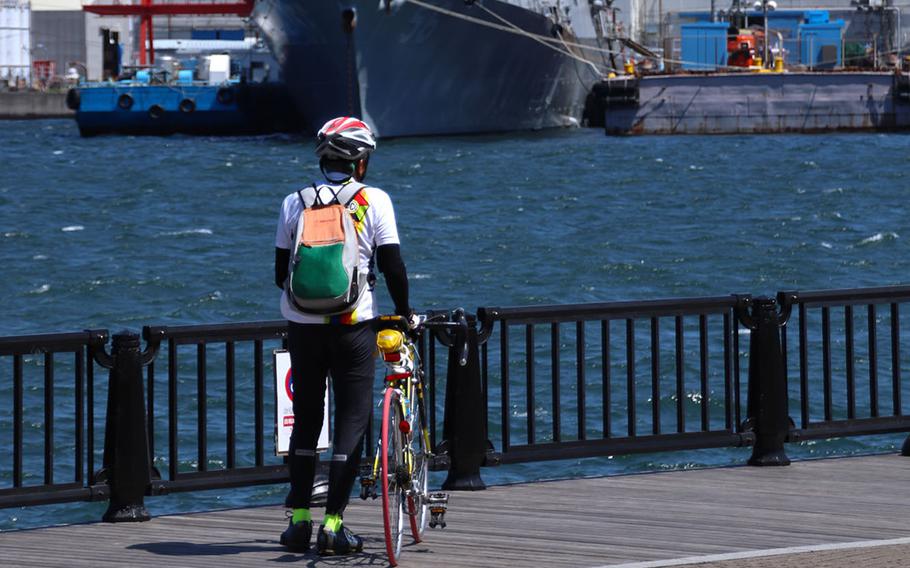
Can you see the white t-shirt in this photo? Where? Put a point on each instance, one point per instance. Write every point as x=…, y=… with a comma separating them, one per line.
x=374, y=219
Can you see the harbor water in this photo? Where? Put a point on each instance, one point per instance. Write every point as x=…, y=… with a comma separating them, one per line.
x=121, y=232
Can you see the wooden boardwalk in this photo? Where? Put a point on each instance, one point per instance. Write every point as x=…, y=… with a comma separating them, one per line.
x=575, y=523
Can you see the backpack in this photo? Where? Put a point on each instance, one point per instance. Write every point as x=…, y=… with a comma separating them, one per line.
x=324, y=276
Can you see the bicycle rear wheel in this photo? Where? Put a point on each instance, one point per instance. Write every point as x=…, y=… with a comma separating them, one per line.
x=392, y=469
x=417, y=499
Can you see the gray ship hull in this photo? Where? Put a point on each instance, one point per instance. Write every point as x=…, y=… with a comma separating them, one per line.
x=410, y=71
x=753, y=103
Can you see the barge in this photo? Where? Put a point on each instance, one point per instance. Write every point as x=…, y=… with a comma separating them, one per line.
x=737, y=77
x=752, y=103
x=152, y=103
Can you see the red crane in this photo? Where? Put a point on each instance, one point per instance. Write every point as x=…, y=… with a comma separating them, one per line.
x=146, y=9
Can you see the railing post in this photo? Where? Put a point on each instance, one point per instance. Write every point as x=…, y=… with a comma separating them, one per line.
x=767, y=407
x=464, y=425
x=126, y=466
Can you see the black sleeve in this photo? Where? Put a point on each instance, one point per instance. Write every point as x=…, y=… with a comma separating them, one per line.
x=388, y=259
x=282, y=258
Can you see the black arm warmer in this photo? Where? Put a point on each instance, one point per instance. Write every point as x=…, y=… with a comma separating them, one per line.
x=388, y=259
x=282, y=258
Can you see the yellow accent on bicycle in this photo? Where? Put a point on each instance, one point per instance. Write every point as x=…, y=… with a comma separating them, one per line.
x=389, y=340
x=401, y=465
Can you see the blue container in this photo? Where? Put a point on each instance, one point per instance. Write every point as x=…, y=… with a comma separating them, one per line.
x=820, y=45
x=185, y=77
x=704, y=46
x=816, y=16
x=204, y=34
x=805, y=34
x=232, y=35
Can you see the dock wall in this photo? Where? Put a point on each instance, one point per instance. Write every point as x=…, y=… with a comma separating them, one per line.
x=33, y=105
x=747, y=103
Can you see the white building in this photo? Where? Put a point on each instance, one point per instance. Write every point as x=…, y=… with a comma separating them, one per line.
x=15, y=42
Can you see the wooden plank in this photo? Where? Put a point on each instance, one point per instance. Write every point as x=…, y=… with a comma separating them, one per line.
x=571, y=523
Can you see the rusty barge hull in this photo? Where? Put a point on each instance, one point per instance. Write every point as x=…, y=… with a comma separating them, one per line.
x=753, y=103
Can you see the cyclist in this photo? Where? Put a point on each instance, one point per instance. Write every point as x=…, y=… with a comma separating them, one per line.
x=342, y=345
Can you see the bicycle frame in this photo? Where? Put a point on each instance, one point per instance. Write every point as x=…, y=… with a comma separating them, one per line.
x=403, y=453
x=405, y=375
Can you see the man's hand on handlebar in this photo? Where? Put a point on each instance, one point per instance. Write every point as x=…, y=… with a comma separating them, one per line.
x=413, y=320
x=450, y=329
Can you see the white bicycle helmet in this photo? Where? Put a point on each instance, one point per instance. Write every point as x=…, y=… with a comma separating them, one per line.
x=345, y=138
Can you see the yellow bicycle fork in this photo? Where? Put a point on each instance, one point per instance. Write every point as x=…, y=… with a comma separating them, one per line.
x=401, y=357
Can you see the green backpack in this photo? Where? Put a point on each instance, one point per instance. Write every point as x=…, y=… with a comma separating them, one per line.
x=324, y=276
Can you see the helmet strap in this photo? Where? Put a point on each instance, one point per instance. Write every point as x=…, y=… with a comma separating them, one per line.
x=360, y=168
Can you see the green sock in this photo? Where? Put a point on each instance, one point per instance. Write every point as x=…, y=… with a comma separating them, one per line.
x=332, y=522
x=301, y=515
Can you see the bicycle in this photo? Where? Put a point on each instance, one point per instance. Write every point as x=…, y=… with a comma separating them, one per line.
x=401, y=462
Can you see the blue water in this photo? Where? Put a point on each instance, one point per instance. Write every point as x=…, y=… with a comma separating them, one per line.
x=119, y=232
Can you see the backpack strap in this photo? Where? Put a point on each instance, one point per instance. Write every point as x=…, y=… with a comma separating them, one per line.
x=311, y=198
x=343, y=196
x=348, y=192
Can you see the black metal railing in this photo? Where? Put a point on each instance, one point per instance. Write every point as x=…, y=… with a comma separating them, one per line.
x=218, y=379
x=653, y=337
x=539, y=383
x=840, y=337
x=40, y=460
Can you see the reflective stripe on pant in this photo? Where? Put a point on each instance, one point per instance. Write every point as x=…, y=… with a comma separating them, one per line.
x=347, y=353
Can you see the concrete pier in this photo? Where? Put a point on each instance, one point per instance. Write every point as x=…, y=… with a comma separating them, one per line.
x=33, y=104
x=836, y=513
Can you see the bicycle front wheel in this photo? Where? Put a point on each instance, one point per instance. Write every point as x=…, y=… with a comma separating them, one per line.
x=417, y=498
x=392, y=471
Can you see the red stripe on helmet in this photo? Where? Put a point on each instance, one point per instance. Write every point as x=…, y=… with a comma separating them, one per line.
x=354, y=123
x=332, y=128
x=344, y=123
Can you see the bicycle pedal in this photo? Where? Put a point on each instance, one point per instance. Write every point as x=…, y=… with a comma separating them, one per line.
x=438, y=504
x=368, y=492
x=367, y=483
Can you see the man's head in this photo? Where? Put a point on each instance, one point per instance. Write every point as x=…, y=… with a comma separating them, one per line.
x=344, y=146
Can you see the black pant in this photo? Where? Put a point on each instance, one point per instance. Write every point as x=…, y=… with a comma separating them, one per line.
x=345, y=352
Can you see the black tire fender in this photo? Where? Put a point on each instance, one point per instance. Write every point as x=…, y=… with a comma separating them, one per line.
x=73, y=99
x=156, y=112
x=225, y=95
x=187, y=105
x=125, y=101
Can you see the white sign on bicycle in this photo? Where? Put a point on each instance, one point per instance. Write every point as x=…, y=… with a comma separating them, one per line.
x=284, y=407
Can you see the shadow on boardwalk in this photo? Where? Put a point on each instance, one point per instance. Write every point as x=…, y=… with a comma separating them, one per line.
x=656, y=518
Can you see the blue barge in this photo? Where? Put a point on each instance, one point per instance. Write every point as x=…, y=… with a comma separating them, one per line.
x=139, y=109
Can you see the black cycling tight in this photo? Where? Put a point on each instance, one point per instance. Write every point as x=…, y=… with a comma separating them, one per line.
x=345, y=352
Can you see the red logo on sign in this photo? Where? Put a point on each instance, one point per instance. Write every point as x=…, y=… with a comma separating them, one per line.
x=288, y=421
x=289, y=385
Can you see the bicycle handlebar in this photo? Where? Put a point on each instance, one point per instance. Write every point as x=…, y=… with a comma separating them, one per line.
x=449, y=332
